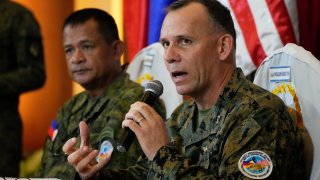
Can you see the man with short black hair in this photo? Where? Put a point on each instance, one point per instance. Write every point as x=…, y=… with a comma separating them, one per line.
x=93, y=50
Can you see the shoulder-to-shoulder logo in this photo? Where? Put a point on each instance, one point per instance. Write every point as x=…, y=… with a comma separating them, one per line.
x=255, y=164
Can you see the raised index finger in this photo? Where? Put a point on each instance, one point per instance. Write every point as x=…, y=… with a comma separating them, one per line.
x=84, y=134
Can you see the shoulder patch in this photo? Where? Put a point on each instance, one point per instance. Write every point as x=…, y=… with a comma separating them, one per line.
x=255, y=164
x=53, y=130
x=106, y=150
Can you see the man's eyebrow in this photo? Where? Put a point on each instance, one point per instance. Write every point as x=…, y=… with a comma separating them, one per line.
x=162, y=40
x=80, y=42
x=183, y=36
x=84, y=41
x=67, y=46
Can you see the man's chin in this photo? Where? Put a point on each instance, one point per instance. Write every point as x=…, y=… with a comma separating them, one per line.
x=182, y=91
x=82, y=82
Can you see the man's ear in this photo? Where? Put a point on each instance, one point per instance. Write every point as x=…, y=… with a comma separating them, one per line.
x=118, y=48
x=225, y=46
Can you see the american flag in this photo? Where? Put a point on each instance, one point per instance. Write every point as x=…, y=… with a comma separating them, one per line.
x=262, y=26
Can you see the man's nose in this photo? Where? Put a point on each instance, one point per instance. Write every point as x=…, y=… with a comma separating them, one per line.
x=171, y=54
x=77, y=57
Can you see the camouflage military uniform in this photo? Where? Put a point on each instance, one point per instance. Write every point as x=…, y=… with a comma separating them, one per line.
x=104, y=116
x=244, y=118
x=21, y=70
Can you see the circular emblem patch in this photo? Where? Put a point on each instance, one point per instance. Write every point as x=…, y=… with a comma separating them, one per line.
x=106, y=150
x=255, y=164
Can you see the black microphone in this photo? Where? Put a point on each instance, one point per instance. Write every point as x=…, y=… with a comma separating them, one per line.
x=152, y=91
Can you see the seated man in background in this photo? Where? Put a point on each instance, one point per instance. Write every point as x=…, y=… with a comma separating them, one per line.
x=229, y=129
x=92, y=50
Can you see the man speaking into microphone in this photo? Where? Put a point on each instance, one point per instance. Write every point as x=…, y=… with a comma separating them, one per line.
x=228, y=129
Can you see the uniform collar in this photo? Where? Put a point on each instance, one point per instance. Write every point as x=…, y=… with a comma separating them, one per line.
x=111, y=91
x=217, y=112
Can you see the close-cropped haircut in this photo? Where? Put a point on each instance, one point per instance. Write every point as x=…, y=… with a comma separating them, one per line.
x=219, y=14
x=106, y=24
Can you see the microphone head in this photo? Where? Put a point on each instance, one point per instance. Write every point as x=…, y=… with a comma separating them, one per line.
x=155, y=87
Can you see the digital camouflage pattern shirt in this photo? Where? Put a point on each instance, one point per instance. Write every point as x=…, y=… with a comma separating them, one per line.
x=245, y=118
x=21, y=70
x=104, y=116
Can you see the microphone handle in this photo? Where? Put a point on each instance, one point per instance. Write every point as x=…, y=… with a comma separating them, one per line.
x=127, y=136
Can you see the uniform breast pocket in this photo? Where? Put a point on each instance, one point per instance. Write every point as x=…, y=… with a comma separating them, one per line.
x=55, y=146
x=56, y=149
x=53, y=157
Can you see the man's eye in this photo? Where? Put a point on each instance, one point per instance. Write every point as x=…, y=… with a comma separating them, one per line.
x=68, y=51
x=86, y=47
x=185, y=42
x=165, y=44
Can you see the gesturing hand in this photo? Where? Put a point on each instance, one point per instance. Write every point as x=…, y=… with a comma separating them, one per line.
x=83, y=159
